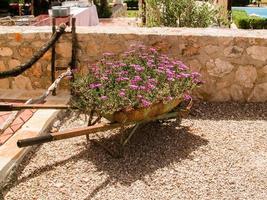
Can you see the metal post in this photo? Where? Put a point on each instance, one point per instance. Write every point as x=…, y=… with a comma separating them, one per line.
x=74, y=48
x=53, y=58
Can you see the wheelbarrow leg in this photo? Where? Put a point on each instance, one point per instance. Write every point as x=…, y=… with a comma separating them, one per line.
x=124, y=142
x=87, y=139
x=118, y=153
x=92, y=122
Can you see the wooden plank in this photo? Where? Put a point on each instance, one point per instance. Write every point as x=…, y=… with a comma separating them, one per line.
x=11, y=107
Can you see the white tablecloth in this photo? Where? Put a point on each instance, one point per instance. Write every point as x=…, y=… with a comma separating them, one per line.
x=85, y=16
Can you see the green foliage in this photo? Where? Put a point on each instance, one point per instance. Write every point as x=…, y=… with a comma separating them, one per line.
x=103, y=8
x=132, y=13
x=240, y=2
x=244, y=21
x=183, y=13
x=153, y=15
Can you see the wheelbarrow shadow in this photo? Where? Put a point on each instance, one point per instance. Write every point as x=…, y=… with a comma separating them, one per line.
x=153, y=147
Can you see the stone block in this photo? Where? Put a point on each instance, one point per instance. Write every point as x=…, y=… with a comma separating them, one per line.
x=13, y=63
x=4, y=84
x=264, y=69
x=246, y=76
x=26, y=52
x=2, y=66
x=64, y=49
x=194, y=65
x=259, y=93
x=222, y=96
x=218, y=67
x=22, y=82
x=211, y=49
x=233, y=51
x=258, y=52
x=37, y=70
x=237, y=92
x=6, y=51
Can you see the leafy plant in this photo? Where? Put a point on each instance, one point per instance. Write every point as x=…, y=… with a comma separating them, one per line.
x=183, y=13
x=135, y=79
x=244, y=21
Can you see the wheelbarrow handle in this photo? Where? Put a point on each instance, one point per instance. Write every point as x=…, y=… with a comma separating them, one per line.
x=34, y=140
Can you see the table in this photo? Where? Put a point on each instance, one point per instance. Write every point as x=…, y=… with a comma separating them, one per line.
x=86, y=16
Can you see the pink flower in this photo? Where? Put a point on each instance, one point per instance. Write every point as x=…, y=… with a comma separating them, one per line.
x=184, y=75
x=169, y=98
x=170, y=79
x=137, y=78
x=134, y=87
x=182, y=66
x=104, y=78
x=187, y=97
x=122, y=94
x=195, y=74
x=145, y=103
x=142, y=87
x=153, y=50
x=122, y=79
x=151, y=86
x=103, y=97
x=95, y=85
x=122, y=64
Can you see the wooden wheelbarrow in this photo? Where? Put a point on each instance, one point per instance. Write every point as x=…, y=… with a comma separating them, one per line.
x=157, y=112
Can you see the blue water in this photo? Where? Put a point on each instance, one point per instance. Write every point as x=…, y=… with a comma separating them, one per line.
x=261, y=12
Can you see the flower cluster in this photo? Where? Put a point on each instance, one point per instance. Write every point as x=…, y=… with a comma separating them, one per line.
x=137, y=78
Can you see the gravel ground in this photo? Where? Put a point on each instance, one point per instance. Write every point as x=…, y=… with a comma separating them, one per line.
x=219, y=152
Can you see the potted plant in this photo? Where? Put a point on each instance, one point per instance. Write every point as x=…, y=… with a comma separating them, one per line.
x=138, y=84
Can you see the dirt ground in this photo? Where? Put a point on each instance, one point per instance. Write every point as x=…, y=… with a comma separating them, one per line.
x=219, y=152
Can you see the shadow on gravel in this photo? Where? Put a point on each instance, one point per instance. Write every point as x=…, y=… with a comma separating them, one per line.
x=229, y=111
x=153, y=147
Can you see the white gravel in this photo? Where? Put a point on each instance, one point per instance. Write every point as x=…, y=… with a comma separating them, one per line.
x=219, y=152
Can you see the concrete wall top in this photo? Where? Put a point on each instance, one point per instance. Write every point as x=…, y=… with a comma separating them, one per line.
x=214, y=32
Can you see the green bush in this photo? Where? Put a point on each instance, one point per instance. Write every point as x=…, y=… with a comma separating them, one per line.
x=182, y=13
x=240, y=2
x=244, y=21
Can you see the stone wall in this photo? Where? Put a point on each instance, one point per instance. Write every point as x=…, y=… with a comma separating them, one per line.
x=233, y=63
